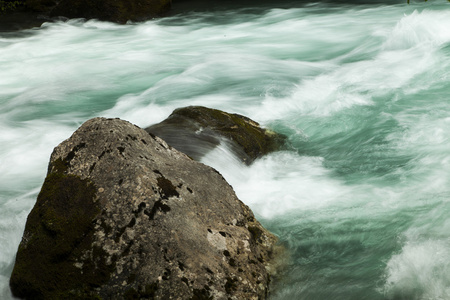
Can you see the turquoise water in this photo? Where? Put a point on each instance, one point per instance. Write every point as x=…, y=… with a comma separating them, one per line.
x=361, y=198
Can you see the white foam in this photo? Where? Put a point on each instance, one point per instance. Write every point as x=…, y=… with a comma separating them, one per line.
x=417, y=28
x=277, y=66
x=26, y=151
x=420, y=271
x=278, y=183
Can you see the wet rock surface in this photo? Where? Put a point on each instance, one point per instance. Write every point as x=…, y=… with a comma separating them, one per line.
x=195, y=130
x=122, y=215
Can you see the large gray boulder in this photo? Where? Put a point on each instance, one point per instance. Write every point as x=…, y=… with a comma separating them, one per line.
x=122, y=215
x=195, y=130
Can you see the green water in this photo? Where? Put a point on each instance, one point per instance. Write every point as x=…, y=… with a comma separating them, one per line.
x=360, y=198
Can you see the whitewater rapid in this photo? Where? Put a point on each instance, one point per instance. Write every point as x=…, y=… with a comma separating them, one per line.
x=361, y=196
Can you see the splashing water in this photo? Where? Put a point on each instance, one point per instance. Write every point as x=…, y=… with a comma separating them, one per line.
x=360, y=199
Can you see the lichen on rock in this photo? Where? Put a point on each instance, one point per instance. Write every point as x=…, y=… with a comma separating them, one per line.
x=122, y=215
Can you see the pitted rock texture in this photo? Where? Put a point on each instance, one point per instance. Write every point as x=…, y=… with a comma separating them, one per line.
x=195, y=130
x=122, y=215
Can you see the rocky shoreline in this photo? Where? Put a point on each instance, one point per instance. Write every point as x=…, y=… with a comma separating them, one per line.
x=119, y=11
x=32, y=13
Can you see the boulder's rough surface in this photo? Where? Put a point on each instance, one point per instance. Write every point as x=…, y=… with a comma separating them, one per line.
x=194, y=130
x=122, y=215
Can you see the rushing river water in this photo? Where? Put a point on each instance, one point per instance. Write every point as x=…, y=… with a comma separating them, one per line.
x=361, y=198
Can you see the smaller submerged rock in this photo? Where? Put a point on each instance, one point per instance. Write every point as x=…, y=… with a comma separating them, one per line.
x=196, y=130
x=122, y=215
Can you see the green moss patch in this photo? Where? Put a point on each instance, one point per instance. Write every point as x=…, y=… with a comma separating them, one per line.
x=254, y=140
x=58, y=231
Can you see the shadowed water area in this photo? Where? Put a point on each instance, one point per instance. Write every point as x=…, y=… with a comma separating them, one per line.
x=361, y=197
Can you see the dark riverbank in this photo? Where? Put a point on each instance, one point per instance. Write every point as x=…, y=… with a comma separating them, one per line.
x=24, y=18
x=20, y=20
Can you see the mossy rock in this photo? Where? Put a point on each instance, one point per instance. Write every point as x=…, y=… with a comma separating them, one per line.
x=195, y=130
x=57, y=227
x=122, y=215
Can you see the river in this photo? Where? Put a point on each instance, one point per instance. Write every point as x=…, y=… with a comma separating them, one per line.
x=361, y=197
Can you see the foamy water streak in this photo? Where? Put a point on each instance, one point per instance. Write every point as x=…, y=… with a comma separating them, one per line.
x=361, y=196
